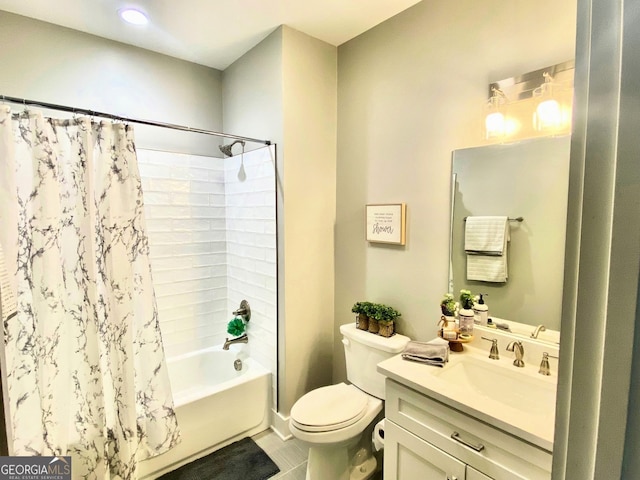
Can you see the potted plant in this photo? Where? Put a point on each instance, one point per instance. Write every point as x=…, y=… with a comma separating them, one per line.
x=448, y=305
x=374, y=314
x=362, y=309
x=386, y=320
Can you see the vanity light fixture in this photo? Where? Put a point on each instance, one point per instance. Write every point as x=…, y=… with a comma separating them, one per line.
x=133, y=16
x=533, y=104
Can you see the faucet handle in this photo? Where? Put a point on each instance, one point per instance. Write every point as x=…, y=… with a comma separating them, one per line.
x=494, y=354
x=544, y=364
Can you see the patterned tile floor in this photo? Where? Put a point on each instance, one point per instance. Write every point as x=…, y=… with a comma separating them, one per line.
x=290, y=456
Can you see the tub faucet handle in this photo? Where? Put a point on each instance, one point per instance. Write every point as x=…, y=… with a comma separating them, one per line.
x=243, y=311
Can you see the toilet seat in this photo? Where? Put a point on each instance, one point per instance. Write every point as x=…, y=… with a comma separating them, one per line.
x=329, y=408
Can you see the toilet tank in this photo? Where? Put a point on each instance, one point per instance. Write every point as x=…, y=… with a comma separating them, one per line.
x=363, y=351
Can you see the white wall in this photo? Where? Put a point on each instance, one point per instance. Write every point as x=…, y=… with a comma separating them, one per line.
x=41, y=61
x=410, y=92
x=284, y=89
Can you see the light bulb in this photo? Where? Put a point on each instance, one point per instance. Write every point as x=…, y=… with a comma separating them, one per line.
x=495, y=120
x=547, y=115
x=494, y=125
x=133, y=16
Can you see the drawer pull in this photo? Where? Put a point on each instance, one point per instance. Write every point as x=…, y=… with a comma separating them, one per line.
x=457, y=438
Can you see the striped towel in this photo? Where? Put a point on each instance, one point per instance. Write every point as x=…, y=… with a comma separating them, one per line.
x=486, y=235
x=486, y=241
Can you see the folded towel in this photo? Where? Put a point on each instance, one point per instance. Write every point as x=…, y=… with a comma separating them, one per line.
x=486, y=235
x=434, y=352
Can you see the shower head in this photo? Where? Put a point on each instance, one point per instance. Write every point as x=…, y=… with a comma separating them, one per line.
x=226, y=149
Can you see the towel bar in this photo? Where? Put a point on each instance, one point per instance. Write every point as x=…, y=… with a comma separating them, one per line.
x=517, y=219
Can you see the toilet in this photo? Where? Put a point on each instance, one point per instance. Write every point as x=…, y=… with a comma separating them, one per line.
x=337, y=421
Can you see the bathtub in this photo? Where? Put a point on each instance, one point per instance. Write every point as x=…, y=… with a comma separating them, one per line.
x=215, y=404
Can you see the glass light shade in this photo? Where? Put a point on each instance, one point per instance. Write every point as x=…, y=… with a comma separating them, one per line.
x=494, y=125
x=548, y=115
x=495, y=117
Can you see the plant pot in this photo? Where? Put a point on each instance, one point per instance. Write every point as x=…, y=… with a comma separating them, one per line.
x=362, y=322
x=374, y=326
x=385, y=328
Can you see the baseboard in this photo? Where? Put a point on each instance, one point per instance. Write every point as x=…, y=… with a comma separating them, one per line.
x=280, y=425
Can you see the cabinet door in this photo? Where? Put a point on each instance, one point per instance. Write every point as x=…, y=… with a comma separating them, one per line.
x=407, y=457
x=473, y=474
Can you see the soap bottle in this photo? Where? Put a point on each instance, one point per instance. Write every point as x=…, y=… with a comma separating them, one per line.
x=481, y=311
x=465, y=321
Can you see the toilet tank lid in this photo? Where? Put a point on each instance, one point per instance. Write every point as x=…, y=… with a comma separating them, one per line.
x=392, y=344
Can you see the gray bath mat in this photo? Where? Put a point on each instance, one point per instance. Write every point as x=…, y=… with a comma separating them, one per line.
x=242, y=460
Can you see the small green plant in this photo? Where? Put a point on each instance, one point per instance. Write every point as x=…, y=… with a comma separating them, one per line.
x=236, y=327
x=361, y=308
x=466, y=299
x=385, y=313
x=448, y=305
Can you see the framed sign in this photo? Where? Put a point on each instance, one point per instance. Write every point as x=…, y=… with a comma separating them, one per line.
x=386, y=223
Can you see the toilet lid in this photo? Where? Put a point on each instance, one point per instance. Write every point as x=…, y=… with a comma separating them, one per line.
x=329, y=408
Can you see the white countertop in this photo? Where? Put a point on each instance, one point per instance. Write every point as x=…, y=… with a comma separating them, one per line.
x=533, y=422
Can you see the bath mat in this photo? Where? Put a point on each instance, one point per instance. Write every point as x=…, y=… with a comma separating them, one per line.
x=242, y=460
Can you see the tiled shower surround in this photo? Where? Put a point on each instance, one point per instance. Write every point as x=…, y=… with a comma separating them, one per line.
x=212, y=243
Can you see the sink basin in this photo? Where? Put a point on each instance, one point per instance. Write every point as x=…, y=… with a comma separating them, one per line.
x=506, y=385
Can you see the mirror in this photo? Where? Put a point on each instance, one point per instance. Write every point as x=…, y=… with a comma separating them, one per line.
x=528, y=179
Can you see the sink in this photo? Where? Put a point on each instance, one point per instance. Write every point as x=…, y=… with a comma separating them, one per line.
x=504, y=384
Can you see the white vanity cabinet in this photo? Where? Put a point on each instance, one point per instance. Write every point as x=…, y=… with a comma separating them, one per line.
x=426, y=439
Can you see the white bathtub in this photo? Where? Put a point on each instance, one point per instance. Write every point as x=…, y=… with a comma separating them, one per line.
x=215, y=404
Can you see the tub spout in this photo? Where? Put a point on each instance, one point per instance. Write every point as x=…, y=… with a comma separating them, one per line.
x=241, y=339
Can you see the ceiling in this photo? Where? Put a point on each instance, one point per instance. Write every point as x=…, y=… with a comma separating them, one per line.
x=212, y=32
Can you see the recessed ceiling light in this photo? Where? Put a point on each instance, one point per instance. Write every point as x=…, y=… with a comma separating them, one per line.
x=133, y=16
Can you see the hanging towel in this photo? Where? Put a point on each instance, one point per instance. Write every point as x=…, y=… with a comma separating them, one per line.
x=486, y=235
x=486, y=241
x=488, y=268
x=434, y=352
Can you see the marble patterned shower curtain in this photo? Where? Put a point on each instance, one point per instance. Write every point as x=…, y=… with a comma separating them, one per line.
x=85, y=364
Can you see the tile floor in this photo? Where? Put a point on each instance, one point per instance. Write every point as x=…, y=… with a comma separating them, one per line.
x=290, y=456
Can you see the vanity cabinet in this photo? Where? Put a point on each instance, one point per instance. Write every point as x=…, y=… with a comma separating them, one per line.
x=426, y=439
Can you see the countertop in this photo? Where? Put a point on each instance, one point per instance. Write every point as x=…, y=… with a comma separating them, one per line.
x=534, y=425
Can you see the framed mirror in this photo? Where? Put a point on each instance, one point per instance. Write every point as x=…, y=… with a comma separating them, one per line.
x=527, y=179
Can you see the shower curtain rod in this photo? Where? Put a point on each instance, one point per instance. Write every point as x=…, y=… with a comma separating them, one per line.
x=93, y=113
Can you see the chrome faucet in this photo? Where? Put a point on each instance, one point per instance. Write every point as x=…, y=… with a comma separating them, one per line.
x=536, y=332
x=241, y=339
x=518, y=349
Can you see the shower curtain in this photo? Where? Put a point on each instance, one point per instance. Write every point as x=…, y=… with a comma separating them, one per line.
x=85, y=364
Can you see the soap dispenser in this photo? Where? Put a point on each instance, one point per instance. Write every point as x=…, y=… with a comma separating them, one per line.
x=481, y=311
